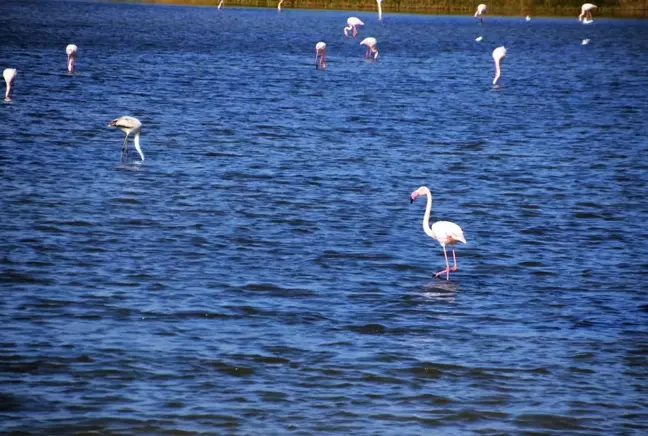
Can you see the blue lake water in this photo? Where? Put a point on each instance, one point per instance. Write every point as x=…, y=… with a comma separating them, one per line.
x=263, y=271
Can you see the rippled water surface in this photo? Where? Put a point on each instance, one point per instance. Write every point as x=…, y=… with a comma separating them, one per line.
x=263, y=271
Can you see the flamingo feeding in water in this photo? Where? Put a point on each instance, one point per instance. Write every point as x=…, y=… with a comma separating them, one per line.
x=445, y=232
x=379, y=9
x=71, y=51
x=9, y=75
x=352, y=23
x=498, y=55
x=371, y=48
x=586, y=13
x=320, y=49
x=129, y=125
x=279, y=5
x=481, y=9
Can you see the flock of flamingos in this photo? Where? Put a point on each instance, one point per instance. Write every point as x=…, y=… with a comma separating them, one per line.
x=445, y=232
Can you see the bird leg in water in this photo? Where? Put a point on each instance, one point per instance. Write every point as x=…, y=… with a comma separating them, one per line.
x=124, y=152
x=454, y=261
x=447, y=269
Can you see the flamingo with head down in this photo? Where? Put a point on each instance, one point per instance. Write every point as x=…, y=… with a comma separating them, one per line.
x=352, y=25
x=71, y=51
x=9, y=75
x=498, y=55
x=445, y=232
x=129, y=125
x=481, y=9
x=320, y=49
x=372, y=50
x=586, y=13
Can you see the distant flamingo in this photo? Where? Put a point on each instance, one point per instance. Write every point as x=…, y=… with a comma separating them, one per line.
x=585, y=41
x=279, y=5
x=71, y=51
x=586, y=13
x=528, y=18
x=371, y=48
x=9, y=75
x=379, y=9
x=129, y=125
x=498, y=55
x=220, y=4
x=479, y=38
x=320, y=48
x=444, y=232
x=481, y=9
x=352, y=23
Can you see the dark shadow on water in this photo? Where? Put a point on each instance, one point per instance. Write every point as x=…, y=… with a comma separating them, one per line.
x=440, y=290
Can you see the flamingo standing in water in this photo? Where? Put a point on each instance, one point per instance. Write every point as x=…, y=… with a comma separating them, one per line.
x=9, y=75
x=220, y=4
x=371, y=48
x=445, y=232
x=481, y=9
x=498, y=55
x=352, y=23
x=71, y=51
x=279, y=5
x=586, y=13
x=129, y=125
x=379, y=9
x=320, y=48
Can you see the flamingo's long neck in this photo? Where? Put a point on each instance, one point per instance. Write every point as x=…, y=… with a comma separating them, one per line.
x=70, y=64
x=136, y=143
x=379, y=10
x=497, y=71
x=426, y=217
x=8, y=90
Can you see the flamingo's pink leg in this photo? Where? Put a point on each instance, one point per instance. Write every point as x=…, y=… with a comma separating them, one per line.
x=447, y=269
x=355, y=31
x=454, y=260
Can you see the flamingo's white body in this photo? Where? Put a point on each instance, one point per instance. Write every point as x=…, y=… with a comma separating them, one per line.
x=129, y=125
x=585, y=41
x=279, y=5
x=9, y=75
x=320, y=53
x=586, y=13
x=379, y=9
x=445, y=232
x=220, y=4
x=71, y=51
x=372, y=50
x=498, y=55
x=481, y=10
x=479, y=38
x=352, y=25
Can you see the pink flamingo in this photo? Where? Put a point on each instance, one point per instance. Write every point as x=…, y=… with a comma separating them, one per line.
x=444, y=232
x=71, y=51
x=586, y=13
x=320, y=48
x=481, y=9
x=371, y=47
x=352, y=23
x=498, y=55
x=129, y=125
x=9, y=75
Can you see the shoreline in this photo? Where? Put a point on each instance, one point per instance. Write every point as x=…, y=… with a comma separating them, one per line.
x=423, y=7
